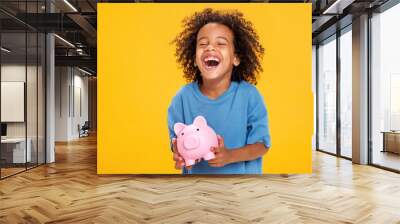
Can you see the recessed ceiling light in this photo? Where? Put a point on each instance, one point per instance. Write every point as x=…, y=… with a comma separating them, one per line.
x=5, y=50
x=71, y=6
x=84, y=71
x=337, y=7
x=64, y=40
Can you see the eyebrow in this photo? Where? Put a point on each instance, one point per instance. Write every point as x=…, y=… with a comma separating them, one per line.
x=201, y=38
x=221, y=37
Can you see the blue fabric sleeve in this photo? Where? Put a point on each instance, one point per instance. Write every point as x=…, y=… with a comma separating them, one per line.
x=257, y=125
x=175, y=115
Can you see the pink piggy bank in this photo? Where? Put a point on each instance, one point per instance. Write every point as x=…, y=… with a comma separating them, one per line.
x=194, y=141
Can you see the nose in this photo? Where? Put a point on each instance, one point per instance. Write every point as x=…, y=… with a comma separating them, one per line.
x=210, y=47
x=191, y=142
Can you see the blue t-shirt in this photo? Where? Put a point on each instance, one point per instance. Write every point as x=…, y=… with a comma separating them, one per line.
x=238, y=115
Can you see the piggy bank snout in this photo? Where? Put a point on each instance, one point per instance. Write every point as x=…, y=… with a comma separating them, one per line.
x=191, y=142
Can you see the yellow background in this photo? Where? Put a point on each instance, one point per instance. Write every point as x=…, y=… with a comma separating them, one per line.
x=138, y=76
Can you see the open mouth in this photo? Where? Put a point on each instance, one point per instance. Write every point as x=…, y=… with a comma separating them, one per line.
x=211, y=62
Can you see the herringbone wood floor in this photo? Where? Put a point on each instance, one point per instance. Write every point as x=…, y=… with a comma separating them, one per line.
x=69, y=191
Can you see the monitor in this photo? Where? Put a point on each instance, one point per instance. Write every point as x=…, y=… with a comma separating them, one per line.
x=3, y=129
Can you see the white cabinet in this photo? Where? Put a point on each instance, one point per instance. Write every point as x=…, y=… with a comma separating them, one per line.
x=18, y=149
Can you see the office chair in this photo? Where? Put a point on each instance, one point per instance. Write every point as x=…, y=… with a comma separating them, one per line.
x=84, y=130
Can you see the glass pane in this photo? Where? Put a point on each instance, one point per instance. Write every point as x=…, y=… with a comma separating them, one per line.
x=32, y=95
x=31, y=86
x=14, y=152
x=327, y=96
x=23, y=88
x=41, y=98
x=346, y=93
x=386, y=88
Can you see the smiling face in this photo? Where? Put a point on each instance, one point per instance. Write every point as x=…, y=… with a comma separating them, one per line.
x=215, y=52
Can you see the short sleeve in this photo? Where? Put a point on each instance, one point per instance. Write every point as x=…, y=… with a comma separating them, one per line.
x=257, y=122
x=175, y=115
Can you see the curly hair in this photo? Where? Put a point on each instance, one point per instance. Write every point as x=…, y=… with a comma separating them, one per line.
x=246, y=43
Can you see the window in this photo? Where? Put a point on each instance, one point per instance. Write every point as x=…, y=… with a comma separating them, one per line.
x=385, y=88
x=327, y=95
x=346, y=93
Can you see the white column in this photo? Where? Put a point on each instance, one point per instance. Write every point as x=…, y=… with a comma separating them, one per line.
x=50, y=100
x=360, y=89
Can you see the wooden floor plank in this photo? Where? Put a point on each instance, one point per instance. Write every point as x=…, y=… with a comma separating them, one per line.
x=70, y=191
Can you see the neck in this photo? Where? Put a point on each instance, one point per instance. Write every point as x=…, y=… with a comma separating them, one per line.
x=215, y=88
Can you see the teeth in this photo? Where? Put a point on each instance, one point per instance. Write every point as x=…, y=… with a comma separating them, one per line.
x=211, y=58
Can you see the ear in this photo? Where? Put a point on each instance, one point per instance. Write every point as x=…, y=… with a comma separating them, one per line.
x=200, y=121
x=178, y=127
x=236, y=61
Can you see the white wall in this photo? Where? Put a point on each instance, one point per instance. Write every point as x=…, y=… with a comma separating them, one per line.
x=62, y=81
x=71, y=87
x=13, y=72
x=16, y=72
x=314, y=91
x=80, y=83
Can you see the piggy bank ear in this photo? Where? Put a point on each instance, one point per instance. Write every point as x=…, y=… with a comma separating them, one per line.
x=200, y=121
x=178, y=127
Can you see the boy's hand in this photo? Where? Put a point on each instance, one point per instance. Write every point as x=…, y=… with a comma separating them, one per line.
x=179, y=162
x=222, y=155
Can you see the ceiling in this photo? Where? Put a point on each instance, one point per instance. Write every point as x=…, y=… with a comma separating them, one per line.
x=329, y=16
x=72, y=20
x=76, y=22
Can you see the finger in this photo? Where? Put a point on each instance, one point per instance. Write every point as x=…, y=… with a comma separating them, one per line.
x=177, y=157
x=221, y=143
x=214, y=161
x=216, y=150
x=217, y=165
x=179, y=165
x=174, y=144
x=175, y=147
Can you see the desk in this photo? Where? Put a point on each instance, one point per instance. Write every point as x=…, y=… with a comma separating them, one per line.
x=17, y=150
x=391, y=141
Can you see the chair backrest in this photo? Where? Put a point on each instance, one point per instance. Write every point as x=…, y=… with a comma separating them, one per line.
x=86, y=125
